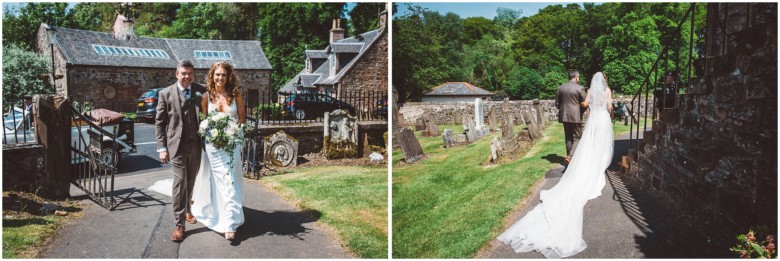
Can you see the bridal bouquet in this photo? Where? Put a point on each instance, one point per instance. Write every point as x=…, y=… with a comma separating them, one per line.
x=222, y=131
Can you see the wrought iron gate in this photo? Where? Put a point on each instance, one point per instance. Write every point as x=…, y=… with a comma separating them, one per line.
x=89, y=172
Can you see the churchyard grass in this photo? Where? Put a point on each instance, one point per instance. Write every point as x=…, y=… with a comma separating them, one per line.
x=618, y=128
x=22, y=237
x=351, y=199
x=450, y=204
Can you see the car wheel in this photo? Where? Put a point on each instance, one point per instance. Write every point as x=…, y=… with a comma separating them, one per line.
x=299, y=114
x=109, y=155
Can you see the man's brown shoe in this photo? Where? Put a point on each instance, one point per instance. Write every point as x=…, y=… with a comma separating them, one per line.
x=568, y=160
x=178, y=234
x=190, y=219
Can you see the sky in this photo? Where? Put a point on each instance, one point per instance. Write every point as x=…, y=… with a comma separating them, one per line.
x=487, y=10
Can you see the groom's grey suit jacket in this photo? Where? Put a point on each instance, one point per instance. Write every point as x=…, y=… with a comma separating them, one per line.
x=177, y=120
x=568, y=101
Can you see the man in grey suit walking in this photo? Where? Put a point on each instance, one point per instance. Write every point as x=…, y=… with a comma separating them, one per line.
x=569, y=99
x=178, y=140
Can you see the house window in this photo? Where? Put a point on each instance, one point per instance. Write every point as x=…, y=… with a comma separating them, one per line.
x=129, y=51
x=212, y=55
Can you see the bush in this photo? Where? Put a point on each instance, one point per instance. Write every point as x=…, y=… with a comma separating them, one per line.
x=270, y=111
x=748, y=247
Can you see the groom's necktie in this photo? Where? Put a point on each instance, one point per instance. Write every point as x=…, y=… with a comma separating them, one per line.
x=186, y=93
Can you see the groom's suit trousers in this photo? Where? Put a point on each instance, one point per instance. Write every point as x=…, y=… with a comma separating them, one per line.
x=572, y=132
x=185, y=168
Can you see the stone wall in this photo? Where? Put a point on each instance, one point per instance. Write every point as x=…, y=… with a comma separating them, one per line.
x=24, y=166
x=715, y=157
x=370, y=72
x=115, y=84
x=310, y=136
x=443, y=111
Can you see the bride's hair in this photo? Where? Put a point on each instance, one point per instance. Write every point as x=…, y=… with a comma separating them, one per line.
x=231, y=86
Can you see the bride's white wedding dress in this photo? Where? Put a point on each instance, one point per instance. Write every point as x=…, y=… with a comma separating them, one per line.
x=218, y=196
x=554, y=227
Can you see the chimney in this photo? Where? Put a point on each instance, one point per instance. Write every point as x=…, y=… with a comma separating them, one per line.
x=123, y=28
x=337, y=33
x=383, y=19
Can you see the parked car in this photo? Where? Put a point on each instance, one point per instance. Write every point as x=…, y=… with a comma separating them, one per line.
x=147, y=105
x=312, y=105
x=18, y=130
x=380, y=110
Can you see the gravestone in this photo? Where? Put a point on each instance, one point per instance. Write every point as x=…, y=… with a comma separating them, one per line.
x=449, y=139
x=460, y=139
x=540, y=119
x=401, y=121
x=519, y=117
x=508, y=137
x=505, y=105
x=492, y=117
x=533, y=128
x=280, y=150
x=419, y=124
x=410, y=146
x=457, y=117
x=479, y=114
x=340, y=135
x=470, y=130
x=431, y=128
x=496, y=150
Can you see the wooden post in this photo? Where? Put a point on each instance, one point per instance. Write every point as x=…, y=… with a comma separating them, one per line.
x=52, y=115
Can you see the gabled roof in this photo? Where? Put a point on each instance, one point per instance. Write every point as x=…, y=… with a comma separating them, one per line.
x=357, y=44
x=457, y=89
x=77, y=48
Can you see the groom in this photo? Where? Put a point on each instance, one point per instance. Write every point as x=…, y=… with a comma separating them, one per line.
x=568, y=100
x=178, y=141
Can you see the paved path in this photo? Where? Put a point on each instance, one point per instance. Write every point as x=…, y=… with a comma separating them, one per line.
x=624, y=222
x=141, y=226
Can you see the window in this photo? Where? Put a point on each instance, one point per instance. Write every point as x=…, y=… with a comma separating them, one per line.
x=129, y=51
x=212, y=55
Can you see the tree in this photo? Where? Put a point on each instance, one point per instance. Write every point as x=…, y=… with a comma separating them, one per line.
x=364, y=17
x=20, y=27
x=290, y=28
x=523, y=83
x=477, y=27
x=416, y=55
x=214, y=21
x=24, y=73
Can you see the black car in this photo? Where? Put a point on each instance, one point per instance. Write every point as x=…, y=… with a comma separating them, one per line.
x=312, y=105
x=147, y=105
x=380, y=108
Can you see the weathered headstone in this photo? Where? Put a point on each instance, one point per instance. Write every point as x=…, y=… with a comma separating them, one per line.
x=519, y=117
x=340, y=135
x=469, y=128
x=533, y=128
x=448, y=137
x=419, y=124
x=479, y=114
x=410, y=146
x=492, y=117
x=457, y=117
x=539, y=113
x=496, y=150
x=460, y=139
x=431, y=128
x=401, y=121
x=281, y=150
x=505, y=105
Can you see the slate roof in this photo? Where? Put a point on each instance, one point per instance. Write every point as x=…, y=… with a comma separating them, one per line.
x=356, y=44
x=458, y=89
x=76, y=46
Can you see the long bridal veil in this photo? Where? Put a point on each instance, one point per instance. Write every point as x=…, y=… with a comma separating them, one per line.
x=554, y=227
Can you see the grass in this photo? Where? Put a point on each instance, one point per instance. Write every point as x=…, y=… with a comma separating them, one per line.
x=22, y=237
x=618, y=128
x=26, y=228
x=352, y=199
x=449, y=205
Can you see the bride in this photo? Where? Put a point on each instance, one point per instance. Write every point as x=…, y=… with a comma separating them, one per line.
x=554, y=227
x=218, y=196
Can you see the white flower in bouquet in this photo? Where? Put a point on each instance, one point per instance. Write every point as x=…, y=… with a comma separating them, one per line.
x=204, y=124
x=214, y=132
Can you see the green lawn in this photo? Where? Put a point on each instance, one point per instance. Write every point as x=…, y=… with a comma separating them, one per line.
x=619, y=128
x=22, y=237
x=449, y=204
x=352, y=199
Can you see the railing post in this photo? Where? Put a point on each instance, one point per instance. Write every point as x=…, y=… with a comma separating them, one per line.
x=52, y=130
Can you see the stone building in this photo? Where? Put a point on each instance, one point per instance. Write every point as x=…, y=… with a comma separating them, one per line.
x=118, y=67
x=714, y=155
x=358, y=63
x=455, y=92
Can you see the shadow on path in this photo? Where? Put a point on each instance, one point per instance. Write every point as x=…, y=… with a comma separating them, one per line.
x=276, y=223
x=555, y=158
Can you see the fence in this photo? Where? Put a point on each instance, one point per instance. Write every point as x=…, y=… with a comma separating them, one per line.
x=17, y=122
x=265, y=108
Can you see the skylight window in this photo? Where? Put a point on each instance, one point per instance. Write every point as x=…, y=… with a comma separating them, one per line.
x=129, y=51
x=212, y=55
